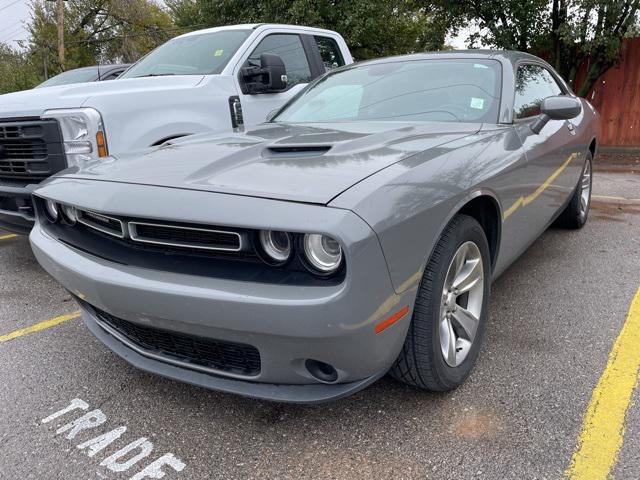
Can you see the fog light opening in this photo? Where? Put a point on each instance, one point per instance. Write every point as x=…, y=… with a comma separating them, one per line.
x=323, y=372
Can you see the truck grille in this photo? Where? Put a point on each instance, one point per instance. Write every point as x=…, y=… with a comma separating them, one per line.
x=30, y=149
x=219, y=355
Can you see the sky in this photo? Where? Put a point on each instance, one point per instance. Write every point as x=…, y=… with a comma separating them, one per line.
x=14, y=14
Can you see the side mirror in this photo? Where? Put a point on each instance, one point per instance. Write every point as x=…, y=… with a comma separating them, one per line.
x=269, y=77
x=561, y=107
x=274, y=67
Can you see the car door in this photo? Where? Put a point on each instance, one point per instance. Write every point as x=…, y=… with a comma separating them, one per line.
x=553, y=159
x=296, y=51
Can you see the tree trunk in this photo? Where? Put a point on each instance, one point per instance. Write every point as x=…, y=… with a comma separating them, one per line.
x=597, y=68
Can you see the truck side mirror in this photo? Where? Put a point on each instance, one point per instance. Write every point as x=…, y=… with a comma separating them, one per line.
x=269, y=77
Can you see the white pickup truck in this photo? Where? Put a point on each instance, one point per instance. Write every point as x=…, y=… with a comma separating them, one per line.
x=208, y=80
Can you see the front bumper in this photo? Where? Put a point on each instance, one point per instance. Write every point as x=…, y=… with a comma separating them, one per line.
x=265, y=391
x=287, y=324
x=16, y=209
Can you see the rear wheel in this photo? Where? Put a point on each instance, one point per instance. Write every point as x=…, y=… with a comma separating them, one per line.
x=449, y=317
x=576, y=213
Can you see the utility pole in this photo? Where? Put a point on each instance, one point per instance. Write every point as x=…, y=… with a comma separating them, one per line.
x=61, y=33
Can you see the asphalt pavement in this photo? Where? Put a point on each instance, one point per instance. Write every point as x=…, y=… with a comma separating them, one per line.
x=555, y=315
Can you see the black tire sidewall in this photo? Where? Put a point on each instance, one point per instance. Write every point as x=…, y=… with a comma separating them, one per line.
x=462, y=229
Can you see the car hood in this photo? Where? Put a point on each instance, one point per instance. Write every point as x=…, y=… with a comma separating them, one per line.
x=33, y=103
x=311, y=163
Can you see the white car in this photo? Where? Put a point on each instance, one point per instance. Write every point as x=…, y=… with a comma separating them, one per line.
x=216, y=79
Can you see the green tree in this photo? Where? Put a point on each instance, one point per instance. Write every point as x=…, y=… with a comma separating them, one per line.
x=566, y=32
x=97, y=31
x=371, y=28
x=16, y=70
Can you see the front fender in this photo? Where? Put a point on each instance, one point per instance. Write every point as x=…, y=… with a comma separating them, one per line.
x=139, y=119
x=410, y=203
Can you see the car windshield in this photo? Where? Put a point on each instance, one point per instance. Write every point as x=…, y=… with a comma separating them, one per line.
x=451, y=90
x=200, y=54
x=79, y=75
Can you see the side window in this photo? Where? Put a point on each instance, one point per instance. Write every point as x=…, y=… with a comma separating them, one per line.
x=289, y=48
x=112, y=76
x=330, y=52
x=533, y=84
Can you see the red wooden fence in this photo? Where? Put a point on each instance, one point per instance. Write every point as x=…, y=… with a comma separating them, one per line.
x=616, y=96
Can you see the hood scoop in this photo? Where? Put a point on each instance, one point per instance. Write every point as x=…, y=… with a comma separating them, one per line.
x=298, y=151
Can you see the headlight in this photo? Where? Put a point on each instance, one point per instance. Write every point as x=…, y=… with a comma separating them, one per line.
x=69, y=214
x=276, y=245
x=52, y=210
x=322, y=252
x=82, y=133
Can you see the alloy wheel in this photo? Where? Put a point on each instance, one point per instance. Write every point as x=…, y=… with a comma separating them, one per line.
x=585, y=193
x=461, y=307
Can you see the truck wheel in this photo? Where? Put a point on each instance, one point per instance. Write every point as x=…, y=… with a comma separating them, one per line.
x=450, y=313
x=576, y=213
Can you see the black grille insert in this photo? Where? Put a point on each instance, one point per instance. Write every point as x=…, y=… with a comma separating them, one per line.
x=189, y=237
x=30, y=149
x=102, y=223
x=236, y=358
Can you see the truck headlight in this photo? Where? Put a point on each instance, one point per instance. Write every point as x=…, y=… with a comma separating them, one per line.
x=82, y=133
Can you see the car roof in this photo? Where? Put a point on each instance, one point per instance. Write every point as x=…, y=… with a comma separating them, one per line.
x=114, y=65
x=255, y=26
x=101, y=67
x=506, y=56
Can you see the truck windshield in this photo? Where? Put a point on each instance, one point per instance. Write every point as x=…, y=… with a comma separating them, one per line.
x=199, y=54
x=444, y=90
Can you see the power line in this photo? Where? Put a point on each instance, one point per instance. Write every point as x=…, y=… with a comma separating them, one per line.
x=10, y=27
x=7, y=38
x=7, y=35
x=10, y=5
x=148, y=32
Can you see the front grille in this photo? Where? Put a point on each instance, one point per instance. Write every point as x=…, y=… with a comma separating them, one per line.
x=188, y=237
x=102, y=223
x=225, y=252
x=235, y=358
x=30, y=149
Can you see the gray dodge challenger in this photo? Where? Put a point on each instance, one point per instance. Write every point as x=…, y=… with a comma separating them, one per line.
x=355, y=233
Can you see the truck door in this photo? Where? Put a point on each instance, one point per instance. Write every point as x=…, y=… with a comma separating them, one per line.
x=303, y=61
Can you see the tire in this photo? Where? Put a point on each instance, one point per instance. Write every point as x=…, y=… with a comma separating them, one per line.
x=575, y=215
x=422, y=361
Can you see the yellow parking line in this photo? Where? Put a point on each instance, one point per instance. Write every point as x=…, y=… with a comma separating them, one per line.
x=7, y=237
x=602, y=432
x=39, y=326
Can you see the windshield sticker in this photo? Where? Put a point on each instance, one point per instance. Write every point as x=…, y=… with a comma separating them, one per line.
x=477, y=103
x=218, y=53
x=479, y=65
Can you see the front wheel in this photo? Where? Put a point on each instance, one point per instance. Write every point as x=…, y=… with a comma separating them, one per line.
x=450, y=313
